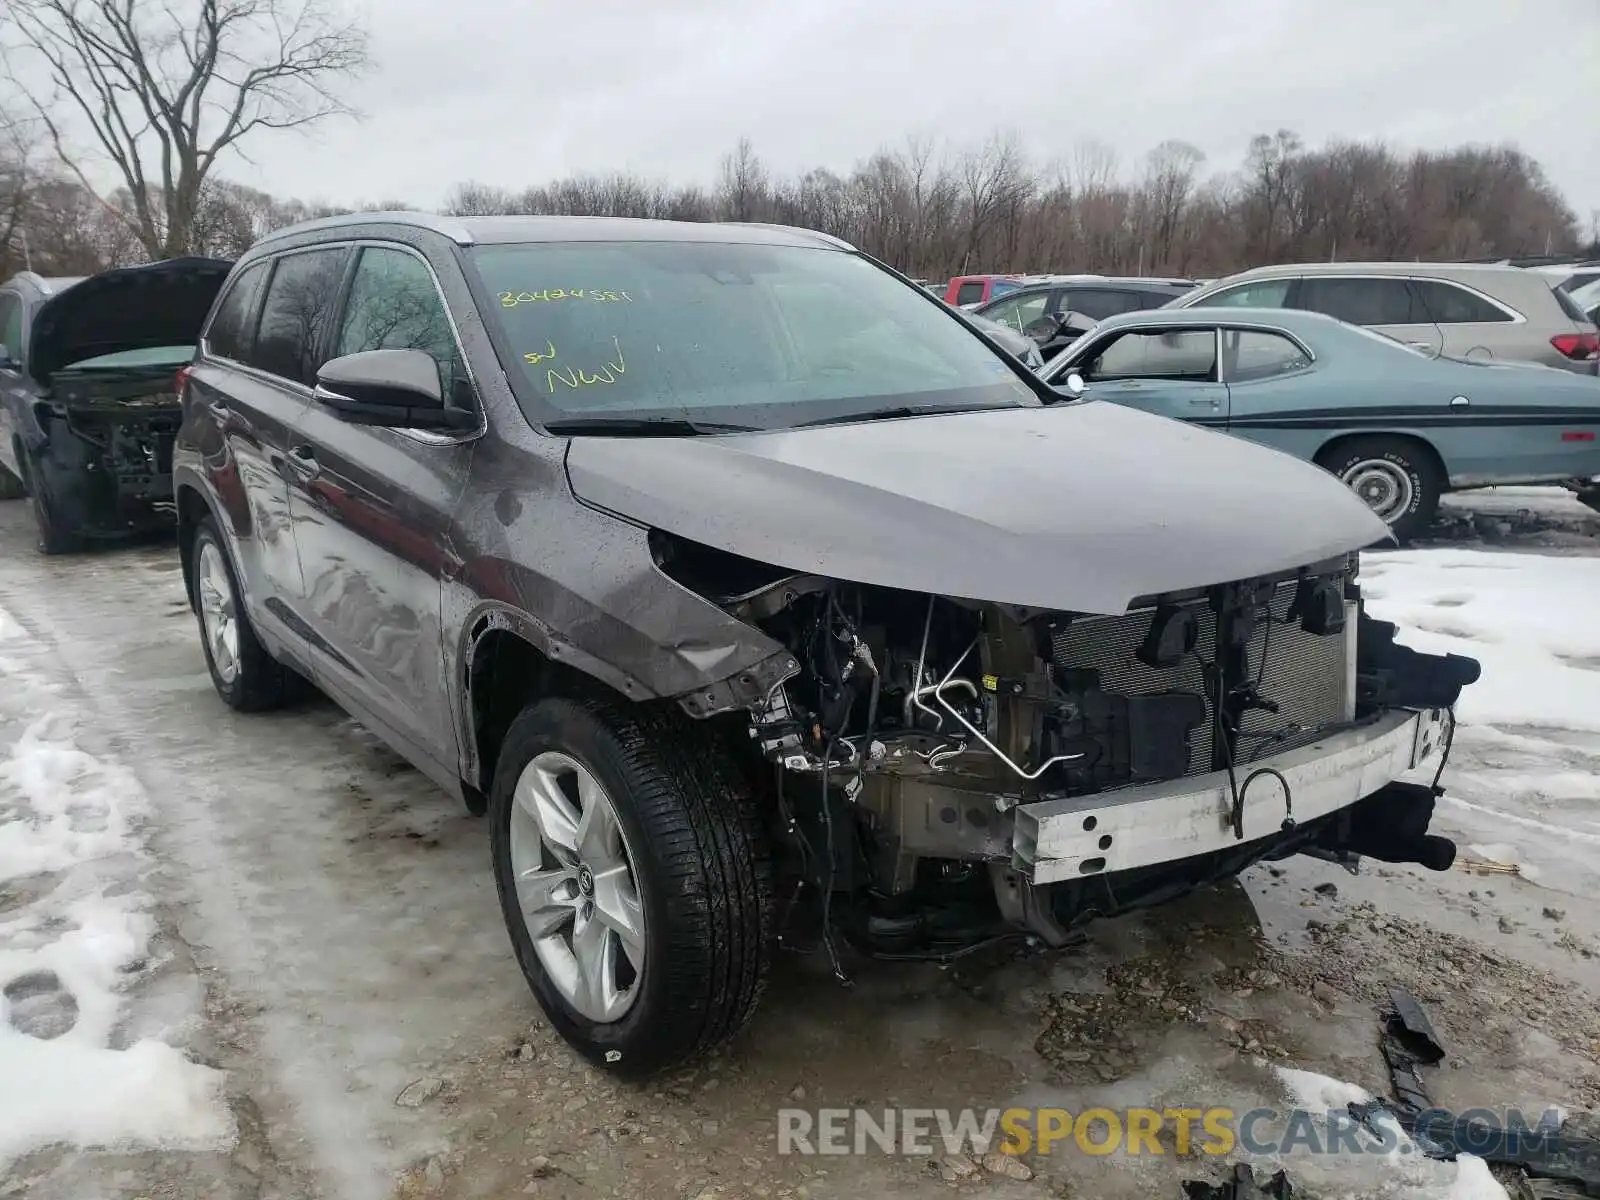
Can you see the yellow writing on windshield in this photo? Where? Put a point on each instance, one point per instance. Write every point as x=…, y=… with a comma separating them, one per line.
x=512, y=299
x=576, y=377
x=535, y=357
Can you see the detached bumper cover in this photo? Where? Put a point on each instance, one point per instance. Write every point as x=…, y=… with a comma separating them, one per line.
x=1180, y=819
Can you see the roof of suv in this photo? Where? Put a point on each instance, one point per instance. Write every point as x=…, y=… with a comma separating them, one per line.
x=1458, y=270
x=468, y=231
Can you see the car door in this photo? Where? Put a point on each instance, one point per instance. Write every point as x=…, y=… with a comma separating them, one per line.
x=245, y=393
x=372, y=509
x=1273, y=389
x=1388, y=304
x=1170, y=370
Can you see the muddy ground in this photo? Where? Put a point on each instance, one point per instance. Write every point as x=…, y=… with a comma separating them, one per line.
x=329, y=936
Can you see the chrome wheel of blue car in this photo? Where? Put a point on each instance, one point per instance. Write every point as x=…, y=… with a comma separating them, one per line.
x=1384, y=485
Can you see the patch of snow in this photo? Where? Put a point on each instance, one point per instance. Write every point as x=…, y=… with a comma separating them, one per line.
x=1524, y=772
x=1401, y=1173
x=75, y=930
x=1307, y=1089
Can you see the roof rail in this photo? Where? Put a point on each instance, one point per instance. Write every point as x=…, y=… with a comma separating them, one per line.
x=450, y=227
x=816, y=233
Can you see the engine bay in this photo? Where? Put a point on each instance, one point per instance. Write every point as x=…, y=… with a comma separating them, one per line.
x=921, y=722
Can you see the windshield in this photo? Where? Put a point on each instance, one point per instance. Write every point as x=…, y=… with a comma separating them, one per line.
x=753, y=336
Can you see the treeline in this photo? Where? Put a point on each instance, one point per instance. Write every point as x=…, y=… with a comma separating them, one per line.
x=934, y=212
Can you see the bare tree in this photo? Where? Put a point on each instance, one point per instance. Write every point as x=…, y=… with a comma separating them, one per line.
x=163, y=94
x=743, y=190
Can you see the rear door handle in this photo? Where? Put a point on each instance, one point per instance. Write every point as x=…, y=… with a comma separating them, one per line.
x=304, y=460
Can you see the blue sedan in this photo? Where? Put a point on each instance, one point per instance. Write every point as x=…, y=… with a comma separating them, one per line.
x=1401, y=427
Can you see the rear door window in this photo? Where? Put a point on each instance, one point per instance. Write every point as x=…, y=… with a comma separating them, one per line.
x=294, y=320
x=232, y=330
x=1099, y=303
x=1366, y=300
x=1448, y=304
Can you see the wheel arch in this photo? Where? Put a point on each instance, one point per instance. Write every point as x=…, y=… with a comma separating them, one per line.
x=507, y=661
x=1332, y=444
x=193, y=507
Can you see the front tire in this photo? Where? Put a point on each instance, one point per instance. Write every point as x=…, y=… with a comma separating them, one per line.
x=1396, y=477
x=245, y=675
x=56, y=536
x=634, y=879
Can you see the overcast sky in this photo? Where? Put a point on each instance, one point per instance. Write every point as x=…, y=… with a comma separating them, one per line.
x=516, y=93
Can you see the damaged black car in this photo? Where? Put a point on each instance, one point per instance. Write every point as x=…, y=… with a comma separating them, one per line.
x=760, y=602
x=88, y=394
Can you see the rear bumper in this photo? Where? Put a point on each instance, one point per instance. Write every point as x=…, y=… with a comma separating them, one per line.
x=1170, y=822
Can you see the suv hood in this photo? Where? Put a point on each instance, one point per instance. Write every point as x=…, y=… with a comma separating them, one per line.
x=1082, y=506
x=132, y=308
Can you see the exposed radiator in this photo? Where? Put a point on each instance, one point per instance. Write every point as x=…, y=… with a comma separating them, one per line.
x=1107, y=645
x=1309, y=678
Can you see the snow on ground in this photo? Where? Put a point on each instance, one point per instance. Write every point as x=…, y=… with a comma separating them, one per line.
x=1523, y=780
x=75, y=930
x=1399, y=1171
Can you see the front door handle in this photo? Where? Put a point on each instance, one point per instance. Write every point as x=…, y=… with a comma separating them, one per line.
x=1207, y=401
x=304, y=461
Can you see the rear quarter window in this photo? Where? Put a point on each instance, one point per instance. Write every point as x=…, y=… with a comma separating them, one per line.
x=1450, y=304
x=232, y=329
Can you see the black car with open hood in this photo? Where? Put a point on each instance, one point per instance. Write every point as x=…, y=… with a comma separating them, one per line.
x=91, y=407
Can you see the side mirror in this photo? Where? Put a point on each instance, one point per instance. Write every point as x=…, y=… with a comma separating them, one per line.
x=6, y=359
x=398, y=389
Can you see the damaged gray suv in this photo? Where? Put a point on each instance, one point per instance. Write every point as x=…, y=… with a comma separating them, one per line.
x=758, y=598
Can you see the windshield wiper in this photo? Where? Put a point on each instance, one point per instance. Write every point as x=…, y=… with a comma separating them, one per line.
x=642, y=426
x=895, y=413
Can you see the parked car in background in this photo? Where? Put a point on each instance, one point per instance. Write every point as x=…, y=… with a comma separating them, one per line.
x=1401, y=427
x=1095, y=297
x=1022, y=345
x=969, y=291
x=1462, y=311
x=1571, y=276
x=88, y=399
x=761, y=602
x=1587, y=298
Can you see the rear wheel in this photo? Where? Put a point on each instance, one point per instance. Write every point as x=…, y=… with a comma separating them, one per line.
x=245, y=675
x=634, y=880
x=1396, y=477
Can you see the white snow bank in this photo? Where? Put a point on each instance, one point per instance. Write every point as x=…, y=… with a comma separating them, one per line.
x=1402, y=1173
x=1528, y=618
x=1524, y=774
x=75, y=929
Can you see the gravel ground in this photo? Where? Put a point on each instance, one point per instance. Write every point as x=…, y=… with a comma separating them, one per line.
x=327, y=934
